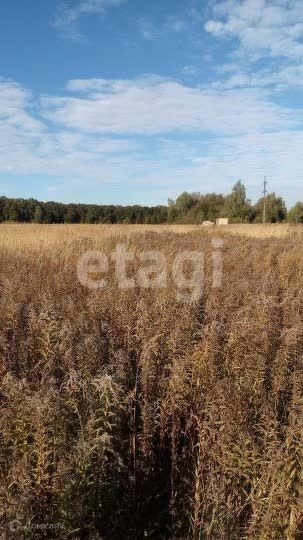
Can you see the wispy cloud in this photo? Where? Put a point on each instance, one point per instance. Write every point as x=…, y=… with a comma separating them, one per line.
x=171, y=24
x=189, y=70
x=68, y=15
x=147, y=29
x=29, y=146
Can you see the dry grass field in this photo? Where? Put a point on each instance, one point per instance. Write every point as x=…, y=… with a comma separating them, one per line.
x=128, y=414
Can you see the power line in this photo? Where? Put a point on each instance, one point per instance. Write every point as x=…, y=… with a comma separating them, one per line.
x=265, y=193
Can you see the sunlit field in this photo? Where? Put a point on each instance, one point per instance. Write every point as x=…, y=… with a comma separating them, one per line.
x=29, y=234
x=130, y=414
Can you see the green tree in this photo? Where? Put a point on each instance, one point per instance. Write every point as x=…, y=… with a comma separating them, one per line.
x=276, y=210
x=38, y=214
x=72, y=215
x=236, y=205
x=2, y=208
x=185, y=202
x=295, y=214
x=12, y=210
x=172, y=212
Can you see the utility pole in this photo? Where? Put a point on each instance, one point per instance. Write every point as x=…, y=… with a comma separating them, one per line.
x=265, y=193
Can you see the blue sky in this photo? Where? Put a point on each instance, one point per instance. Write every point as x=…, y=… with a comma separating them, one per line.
x=128, y=101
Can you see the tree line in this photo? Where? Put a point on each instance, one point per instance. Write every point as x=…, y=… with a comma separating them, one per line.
x=33, y=211
x=196, y=208
x=186, y=208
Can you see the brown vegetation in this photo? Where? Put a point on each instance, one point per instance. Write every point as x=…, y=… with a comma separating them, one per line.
x=126, y=414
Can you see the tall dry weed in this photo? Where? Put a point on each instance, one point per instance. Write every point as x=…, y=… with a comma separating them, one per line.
x=128, y=414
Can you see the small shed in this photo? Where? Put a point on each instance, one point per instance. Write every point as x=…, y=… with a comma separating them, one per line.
x=222, y=221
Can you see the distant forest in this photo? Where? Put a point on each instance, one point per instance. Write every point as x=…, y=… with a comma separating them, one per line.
x=187, y=208
x=32, y=211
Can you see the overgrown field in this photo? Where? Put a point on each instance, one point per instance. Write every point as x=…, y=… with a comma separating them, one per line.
x=127, y=414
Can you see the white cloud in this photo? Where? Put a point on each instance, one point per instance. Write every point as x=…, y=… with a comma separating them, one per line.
x=214, y=27
x=86, y=147
x=68, y=15
x=263, y=28
x=28, y=146
x=14, y=101
x=153, y=106
x=279, y=79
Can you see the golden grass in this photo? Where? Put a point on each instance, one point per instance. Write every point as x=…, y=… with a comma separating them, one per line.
x=279, y=230
x=127, y=414
x=21, y=236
